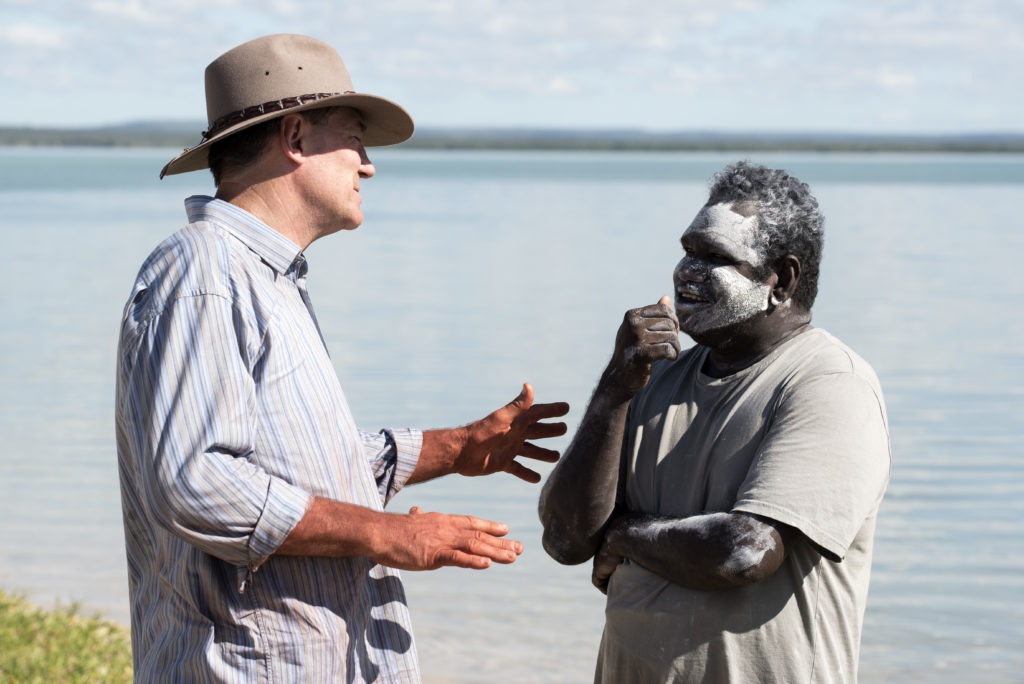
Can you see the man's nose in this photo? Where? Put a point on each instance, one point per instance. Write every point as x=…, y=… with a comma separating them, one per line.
x=366, y=169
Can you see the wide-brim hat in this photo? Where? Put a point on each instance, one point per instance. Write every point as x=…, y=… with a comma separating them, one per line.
x=276, y=75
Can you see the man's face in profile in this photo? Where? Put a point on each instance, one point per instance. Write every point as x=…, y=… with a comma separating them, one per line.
x=715, y=282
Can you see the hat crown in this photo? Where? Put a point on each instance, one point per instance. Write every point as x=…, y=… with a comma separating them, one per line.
x=272, y=68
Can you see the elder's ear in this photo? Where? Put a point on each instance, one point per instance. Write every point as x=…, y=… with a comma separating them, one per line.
x=787, y=278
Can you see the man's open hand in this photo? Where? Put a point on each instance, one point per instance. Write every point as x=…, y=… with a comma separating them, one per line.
x=493, y=443
x=427, y=541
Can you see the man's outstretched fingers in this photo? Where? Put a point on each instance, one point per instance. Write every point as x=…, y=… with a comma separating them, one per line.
x=480, y=544
x=522, y=472
x=545, y=430
x=495, y=529
x=525, y=399
x=461, y=559
x=538, y=453
x=499, y=550
x=549, y=410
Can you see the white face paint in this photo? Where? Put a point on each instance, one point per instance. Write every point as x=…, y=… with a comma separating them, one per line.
x=713, y=288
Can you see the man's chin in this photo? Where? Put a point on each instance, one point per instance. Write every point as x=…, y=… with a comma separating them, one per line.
x=352, y=223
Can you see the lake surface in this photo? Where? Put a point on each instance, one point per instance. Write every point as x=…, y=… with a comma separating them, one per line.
x=476, y=271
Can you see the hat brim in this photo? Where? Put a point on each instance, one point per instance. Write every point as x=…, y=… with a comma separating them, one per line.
x=385, y=121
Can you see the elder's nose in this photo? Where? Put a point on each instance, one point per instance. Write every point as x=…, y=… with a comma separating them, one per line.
x=689, y=271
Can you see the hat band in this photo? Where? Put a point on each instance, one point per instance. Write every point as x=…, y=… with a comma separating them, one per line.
x=229, y=120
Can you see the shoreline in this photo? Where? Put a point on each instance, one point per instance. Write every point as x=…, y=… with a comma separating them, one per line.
x=178, y=135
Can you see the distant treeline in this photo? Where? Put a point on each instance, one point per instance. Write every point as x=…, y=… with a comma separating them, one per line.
x=179, y=135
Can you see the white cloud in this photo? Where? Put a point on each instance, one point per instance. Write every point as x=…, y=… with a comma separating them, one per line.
x=125, y=11
x=659, y=41
x=896, y=79
x=559, y=85
x=797, y=60
x=31, y=37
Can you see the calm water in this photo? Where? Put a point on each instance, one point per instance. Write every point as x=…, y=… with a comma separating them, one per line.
x=476, y=271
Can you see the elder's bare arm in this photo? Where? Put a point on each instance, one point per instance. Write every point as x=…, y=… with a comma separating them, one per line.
x=578, y=498
x=705, y=552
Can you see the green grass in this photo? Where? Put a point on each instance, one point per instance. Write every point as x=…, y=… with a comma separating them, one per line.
x=60, y=646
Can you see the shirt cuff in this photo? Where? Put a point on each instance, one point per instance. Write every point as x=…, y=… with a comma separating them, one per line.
x=285, y=506
x=408, y=444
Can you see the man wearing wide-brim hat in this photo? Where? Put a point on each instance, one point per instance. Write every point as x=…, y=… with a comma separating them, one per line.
x=258, y=546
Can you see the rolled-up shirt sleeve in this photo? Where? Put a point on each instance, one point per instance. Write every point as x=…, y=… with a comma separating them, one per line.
x=392, y=454
x=189, y=397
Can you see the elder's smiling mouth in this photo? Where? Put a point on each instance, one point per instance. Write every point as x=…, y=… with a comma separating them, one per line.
x=687, y=297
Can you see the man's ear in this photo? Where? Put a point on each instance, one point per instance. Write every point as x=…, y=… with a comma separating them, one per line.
x=788, y=276
x=291, y=137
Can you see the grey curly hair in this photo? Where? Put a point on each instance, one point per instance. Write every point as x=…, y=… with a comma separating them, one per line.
x=788, y=217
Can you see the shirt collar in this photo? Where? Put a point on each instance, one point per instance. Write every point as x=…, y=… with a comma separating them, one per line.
x=278, y=251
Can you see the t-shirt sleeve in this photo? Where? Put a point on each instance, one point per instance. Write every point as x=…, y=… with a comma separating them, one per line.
x=824, y=463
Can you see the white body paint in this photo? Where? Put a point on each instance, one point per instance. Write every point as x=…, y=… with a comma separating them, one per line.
x=747, y=553
x=731, y=296
x=650, y=530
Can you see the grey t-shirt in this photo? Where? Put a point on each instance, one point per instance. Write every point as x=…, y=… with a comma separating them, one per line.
x=800, y=437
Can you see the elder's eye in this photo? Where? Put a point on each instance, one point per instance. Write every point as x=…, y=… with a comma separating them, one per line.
x=718, y=258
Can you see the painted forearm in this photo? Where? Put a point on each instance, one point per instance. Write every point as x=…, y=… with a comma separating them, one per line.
x=705, y=552
x=578, y=498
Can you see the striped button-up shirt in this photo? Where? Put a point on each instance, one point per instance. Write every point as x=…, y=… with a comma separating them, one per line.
x=230, y=418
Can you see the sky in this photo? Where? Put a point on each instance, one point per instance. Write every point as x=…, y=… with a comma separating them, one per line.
x=870, y=66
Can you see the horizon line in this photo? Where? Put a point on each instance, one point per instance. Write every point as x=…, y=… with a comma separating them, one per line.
x=180, y=126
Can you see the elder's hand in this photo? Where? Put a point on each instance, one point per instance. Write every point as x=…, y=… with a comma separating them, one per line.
x=605, y=563
x=647, y=334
